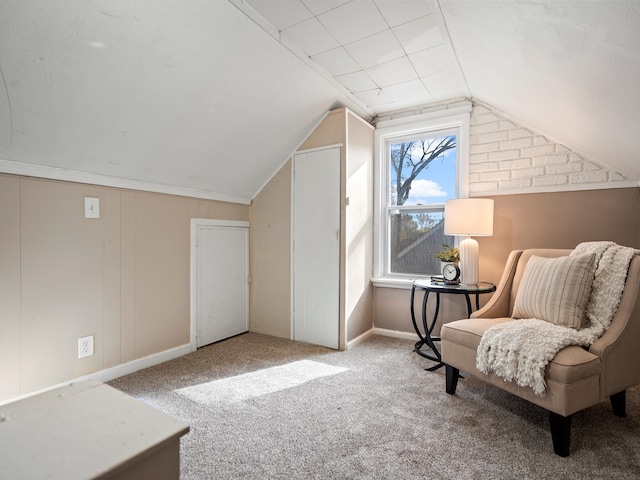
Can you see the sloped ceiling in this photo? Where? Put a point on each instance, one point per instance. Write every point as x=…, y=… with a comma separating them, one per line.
x=211, y=96
x=568, y=68
x=188, y=93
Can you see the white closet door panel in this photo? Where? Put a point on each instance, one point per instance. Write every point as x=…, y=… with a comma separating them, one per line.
x=222, y=283
x=317, y=247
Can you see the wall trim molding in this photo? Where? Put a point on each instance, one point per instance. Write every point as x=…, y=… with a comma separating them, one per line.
x=554, y=189
x=117, y=371
x=394, y=333
x=380, y=331
x=359, y=339
x=436, y=112
x=318, y=149
x=133, y=366
x=55, y=173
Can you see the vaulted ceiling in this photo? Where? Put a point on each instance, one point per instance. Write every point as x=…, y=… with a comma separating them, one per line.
x=212, y=96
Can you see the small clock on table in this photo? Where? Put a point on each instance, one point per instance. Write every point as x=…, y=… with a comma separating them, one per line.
x=451, y=274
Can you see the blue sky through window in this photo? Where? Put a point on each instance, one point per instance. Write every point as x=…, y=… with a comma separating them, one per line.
x=435, y=184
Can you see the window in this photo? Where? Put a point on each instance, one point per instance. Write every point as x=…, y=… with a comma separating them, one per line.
x=420, y=166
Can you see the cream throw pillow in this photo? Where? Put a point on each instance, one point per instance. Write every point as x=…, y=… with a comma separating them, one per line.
x=555, y=289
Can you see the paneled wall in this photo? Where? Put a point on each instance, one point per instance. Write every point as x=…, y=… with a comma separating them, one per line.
x=270, y=258
x=123, y=277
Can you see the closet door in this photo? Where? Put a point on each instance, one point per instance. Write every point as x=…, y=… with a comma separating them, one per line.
x=316, y=247
x=221, y=280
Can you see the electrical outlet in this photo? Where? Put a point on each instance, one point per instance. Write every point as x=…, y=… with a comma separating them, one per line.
x=85, y=346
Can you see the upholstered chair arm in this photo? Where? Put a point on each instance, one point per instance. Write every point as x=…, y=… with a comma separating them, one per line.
x=618, y=347
x=499, y=304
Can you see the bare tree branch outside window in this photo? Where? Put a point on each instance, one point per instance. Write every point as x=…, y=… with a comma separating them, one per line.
x=410, y=158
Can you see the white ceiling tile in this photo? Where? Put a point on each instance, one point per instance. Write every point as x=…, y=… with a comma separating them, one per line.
x=336, y=61
x=354, y=21
x=445, y=79
x=387, y=108
x=376, y=49
x=322, y=6
x=450, y=93
x=433, y=60
x=397, y=13
x=356, y=82
x=373, y=98
x=396, y=71
x=405, y=92
x=446, y=84
x=310, y=37
x=283, y=13
x=419, y=34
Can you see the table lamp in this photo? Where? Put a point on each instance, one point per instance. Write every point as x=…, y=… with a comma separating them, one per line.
x=468, y=216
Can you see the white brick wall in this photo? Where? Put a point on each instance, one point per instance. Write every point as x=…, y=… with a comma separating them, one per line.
x=506, y=158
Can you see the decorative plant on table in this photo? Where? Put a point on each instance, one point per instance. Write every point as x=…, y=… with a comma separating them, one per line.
x=449, y=254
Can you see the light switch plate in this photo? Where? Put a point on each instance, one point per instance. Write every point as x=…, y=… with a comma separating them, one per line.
x=91, y=207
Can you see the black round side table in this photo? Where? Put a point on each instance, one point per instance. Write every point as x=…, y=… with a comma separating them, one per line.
x=428, y=286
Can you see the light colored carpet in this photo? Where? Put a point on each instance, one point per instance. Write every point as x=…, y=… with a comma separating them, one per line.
x=267, y=408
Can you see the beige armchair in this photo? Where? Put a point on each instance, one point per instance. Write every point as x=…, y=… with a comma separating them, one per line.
x=576, y=378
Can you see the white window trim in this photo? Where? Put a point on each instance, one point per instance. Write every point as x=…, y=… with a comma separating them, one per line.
x=402, y=127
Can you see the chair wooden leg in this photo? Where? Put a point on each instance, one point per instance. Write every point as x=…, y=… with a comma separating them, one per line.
x=452, y=375
x=619, y=403
x=560, y=433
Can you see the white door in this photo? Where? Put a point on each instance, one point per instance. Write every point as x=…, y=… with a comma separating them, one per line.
x=221, y=280
x=316, y=247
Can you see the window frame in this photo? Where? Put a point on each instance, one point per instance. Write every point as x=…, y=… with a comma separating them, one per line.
x=392, y=131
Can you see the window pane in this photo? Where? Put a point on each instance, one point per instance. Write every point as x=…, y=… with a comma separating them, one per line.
x=414, y=240
x=422, y=171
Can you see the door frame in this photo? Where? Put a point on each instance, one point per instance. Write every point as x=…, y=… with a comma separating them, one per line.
x=195, y=224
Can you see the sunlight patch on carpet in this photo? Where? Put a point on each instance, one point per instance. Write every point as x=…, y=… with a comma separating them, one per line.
x=255, y=384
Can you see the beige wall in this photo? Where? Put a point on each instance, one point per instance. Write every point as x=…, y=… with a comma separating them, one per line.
x=559, y=220
x=271, y=233
x=359, y=228
x=270, y=259
x=123, y=277
x=331, y=131
x=270, y=291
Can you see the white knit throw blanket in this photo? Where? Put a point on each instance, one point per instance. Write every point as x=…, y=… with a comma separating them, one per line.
x=520, y=350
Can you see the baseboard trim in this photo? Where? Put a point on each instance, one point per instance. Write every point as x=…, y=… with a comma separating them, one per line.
x=139, y=364
x=380, y=331
x=359, y=339
x=395, y=333
x=117, y=371
x=112, y=373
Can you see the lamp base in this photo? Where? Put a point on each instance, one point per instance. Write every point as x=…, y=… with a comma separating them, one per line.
x=469, y=261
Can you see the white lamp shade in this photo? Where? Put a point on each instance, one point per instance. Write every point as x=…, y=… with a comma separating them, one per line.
x=468, y=216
